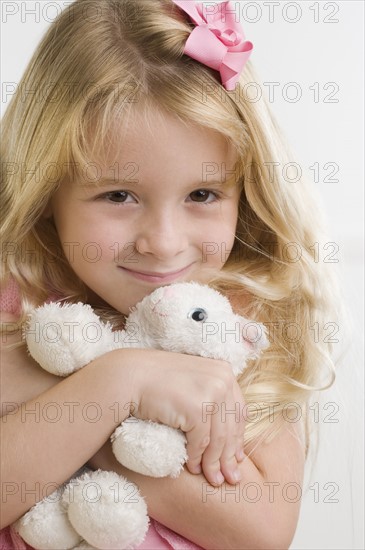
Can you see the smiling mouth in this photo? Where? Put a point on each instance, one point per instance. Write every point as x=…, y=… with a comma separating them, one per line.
x=156, y=277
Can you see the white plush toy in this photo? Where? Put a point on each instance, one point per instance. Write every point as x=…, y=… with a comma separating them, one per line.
x=99, y=509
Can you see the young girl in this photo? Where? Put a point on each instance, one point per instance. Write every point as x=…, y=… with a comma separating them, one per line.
x=134, y=165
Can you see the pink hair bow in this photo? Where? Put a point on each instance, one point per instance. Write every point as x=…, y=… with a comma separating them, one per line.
x=217, y=40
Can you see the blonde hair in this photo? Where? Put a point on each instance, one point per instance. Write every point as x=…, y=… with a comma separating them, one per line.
x=95, y=70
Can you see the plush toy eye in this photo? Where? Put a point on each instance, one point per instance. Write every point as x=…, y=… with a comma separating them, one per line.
x=198, y=314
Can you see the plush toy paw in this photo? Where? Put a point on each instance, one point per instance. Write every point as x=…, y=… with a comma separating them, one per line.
x=107, y=510
x=150, y=448
x=46, y=526
x=63, y=338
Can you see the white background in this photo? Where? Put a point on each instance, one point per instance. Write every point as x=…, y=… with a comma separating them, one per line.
x=298, y=45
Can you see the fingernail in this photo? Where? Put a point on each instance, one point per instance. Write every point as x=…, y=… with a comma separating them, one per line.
x=219, y=478
x=241, y=454
x=197, y=469
x=237, y=475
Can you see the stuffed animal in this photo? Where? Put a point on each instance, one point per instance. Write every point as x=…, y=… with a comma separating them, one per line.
x=98, y=509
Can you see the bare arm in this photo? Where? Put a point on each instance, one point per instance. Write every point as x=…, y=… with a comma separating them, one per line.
x=51, y=426
x=260, y=512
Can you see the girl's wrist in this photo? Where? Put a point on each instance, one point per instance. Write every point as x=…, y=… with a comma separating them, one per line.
x=128, y=371
x=118, y=370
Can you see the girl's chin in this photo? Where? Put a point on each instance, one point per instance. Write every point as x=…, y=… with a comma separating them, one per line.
x=201, y=276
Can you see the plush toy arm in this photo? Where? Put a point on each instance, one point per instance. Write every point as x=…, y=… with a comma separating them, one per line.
x=149, y=448
x=63, y=338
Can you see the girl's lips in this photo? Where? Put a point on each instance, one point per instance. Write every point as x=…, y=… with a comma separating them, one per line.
x=151, y=277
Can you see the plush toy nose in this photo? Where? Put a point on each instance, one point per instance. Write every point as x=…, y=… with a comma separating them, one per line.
x=169, y=292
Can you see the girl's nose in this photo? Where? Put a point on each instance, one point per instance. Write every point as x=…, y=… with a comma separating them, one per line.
x=163, y=237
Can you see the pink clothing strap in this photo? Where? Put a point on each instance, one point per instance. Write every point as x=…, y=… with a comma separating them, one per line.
x=10, y=540
x=10, y=298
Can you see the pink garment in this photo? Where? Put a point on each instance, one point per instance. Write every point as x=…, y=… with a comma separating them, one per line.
x=9, y=298
x=177, y=542
x=158, y=536
x=9, y=540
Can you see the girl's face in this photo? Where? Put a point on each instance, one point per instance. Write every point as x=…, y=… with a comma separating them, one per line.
x=162, y=211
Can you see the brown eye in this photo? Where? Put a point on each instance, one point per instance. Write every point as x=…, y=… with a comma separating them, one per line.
x=201, y=195
x=117, y=196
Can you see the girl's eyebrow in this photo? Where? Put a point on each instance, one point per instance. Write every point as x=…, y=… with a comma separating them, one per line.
x=106, y=181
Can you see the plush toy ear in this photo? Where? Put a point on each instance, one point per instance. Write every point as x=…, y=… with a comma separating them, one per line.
x=251, y=332
x=255, y=336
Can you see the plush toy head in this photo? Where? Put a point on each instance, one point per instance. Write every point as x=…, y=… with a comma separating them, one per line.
x=196, y=319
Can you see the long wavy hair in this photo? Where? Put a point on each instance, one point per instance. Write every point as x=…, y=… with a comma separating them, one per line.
x=98, y=62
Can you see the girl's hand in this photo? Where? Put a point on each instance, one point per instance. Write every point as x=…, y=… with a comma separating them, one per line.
x=201, y=397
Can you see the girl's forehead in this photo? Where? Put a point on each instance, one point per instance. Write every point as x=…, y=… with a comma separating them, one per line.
x=159, y=139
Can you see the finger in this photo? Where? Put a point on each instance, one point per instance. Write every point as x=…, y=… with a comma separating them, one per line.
x=197, y=442
x=240, y=453
x=241, y=408
x=211, y=458
x=229, y=464
x=240, y=419
x=233, y=452
x=228, y=460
